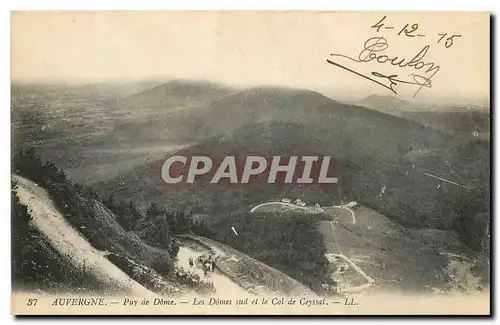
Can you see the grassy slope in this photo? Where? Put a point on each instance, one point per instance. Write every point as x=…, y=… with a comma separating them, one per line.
x=41, y=267
x=396, y=256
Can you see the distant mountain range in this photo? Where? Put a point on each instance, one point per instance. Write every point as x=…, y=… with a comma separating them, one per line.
x=371, y=145
x=386, y=104
x=376, y=148
x=173, y=94
x=317, y=112
x=456, y=119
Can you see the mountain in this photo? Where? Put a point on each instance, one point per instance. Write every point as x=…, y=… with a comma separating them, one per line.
x=469, y=123
x=267, y=104
x=410, y=210
x=174, y=93
x=221, y=115
x=98, y=142
x=384, y=165
x=288, y=121
x=260, y=104
x=386, y=104
x=460, y=120
x=376, y=151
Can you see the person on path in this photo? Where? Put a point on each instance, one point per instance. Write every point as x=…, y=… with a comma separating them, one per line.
x=205, y=269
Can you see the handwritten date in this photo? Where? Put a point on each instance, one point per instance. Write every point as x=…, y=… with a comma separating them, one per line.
x=412, y=31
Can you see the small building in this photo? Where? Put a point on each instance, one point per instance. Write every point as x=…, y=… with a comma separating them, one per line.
x=351, y=204
x=318, y=208
x=200, y=218
x=285, y=200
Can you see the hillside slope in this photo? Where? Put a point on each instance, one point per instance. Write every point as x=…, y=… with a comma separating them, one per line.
x=266, y=104
x=252, y=275
x=69, y=242
x=112, y=258
x=248, y=272
x=460, y=120
x=385, y=160
x=174, y=93
x=263, y=120
x=398, y=257
x=365, y=164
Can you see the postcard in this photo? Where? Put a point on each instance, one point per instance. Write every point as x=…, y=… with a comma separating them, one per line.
x=250, y=163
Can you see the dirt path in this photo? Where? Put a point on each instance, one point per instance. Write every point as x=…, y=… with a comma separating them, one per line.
x=327, y=228
x=69, y=242
x=222, y=283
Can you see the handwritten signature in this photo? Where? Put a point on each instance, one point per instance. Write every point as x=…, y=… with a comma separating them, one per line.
x=371, y=52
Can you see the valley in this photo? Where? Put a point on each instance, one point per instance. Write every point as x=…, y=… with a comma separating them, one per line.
x=407, y=228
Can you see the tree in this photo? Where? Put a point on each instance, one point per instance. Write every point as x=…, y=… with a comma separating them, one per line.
x=136, y=215
x=153, y=210
x=157, y=233
x=20, y=234
x=109, y=202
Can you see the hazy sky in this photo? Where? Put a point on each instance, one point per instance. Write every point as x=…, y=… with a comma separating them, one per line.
x=251, y=49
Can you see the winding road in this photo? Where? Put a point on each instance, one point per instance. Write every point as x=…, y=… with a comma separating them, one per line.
x=309, y=209
x=220, y=281
x=332, y=258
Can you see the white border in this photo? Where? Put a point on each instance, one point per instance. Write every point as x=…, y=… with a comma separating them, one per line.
x=351, y=5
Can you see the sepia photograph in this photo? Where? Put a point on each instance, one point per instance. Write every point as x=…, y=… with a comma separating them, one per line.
x=260, y=163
